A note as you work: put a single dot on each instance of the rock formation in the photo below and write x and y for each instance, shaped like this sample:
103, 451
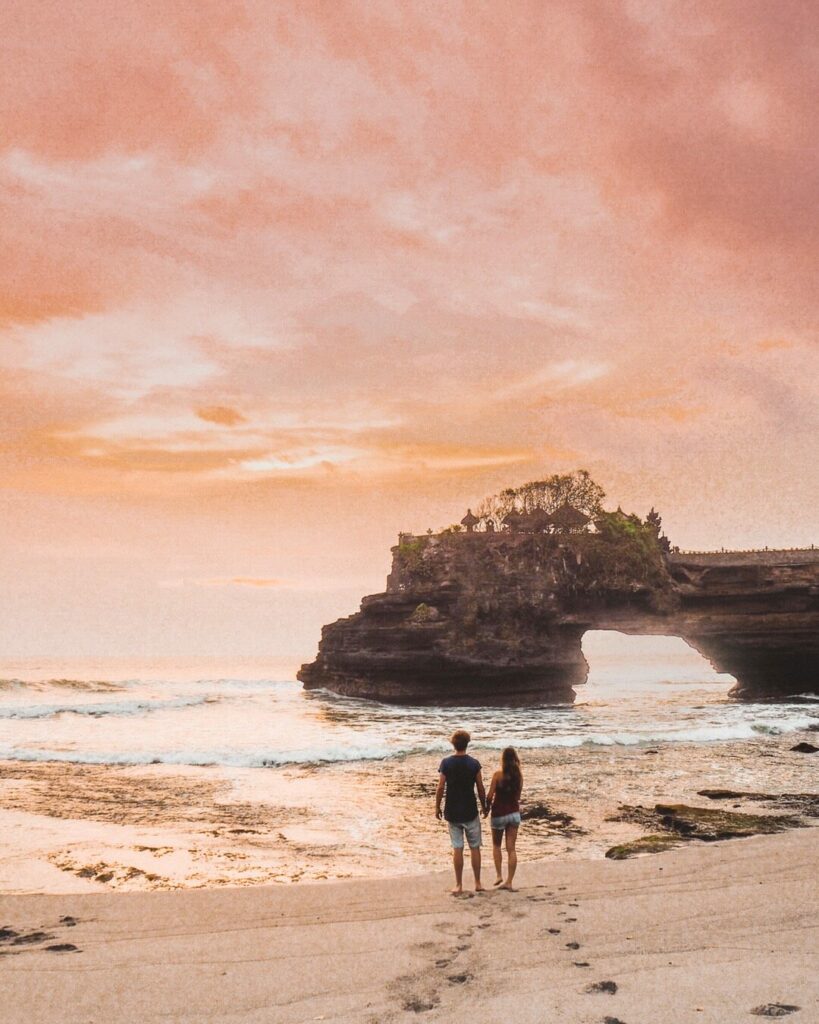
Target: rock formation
498, 618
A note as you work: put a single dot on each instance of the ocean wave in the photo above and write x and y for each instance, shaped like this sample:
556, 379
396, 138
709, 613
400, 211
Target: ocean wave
103, 709
81, 685
380, 751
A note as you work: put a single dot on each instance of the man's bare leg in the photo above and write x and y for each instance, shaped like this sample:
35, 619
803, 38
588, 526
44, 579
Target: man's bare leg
458, 864
475, 857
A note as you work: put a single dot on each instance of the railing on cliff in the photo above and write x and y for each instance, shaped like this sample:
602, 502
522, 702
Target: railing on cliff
755, 556
734, 556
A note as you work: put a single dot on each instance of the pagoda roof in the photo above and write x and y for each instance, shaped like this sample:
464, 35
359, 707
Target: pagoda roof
568, 515
541, 517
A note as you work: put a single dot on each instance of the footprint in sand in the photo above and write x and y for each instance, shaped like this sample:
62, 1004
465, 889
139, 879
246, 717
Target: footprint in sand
416, 1005
774, 1010
416, 996
609, 987
31, 939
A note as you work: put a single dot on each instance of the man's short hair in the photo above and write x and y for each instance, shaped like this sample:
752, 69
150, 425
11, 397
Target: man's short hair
460, 739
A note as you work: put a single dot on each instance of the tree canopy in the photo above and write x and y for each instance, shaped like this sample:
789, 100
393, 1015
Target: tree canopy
577, 488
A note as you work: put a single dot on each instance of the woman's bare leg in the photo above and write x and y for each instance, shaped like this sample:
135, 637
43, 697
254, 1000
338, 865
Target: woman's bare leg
497, 854
511, 855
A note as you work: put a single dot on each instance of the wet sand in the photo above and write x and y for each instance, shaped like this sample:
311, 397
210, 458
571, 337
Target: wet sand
86, 828
708, 934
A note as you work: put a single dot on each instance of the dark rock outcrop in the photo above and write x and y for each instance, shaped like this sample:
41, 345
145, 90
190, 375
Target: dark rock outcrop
677, 823
499, 618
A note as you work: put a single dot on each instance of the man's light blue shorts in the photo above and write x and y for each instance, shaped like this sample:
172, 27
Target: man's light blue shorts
472, 830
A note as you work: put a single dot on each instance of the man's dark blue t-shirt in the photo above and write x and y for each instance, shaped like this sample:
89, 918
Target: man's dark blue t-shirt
460, 771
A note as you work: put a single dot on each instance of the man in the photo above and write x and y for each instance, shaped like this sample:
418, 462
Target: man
458, 775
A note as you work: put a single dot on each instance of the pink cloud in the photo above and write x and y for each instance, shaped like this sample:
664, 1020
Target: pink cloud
317, 270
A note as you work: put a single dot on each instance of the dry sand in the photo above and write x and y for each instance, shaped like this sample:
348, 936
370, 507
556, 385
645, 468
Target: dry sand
705, 934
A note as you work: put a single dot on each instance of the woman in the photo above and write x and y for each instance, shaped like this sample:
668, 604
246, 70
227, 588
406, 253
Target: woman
504, 801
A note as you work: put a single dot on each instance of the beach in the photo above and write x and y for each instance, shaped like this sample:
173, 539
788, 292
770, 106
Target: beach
705, 934
186, 846
68, 827
135, 776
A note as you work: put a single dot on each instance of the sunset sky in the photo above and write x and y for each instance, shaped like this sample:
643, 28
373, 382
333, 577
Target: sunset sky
279, 280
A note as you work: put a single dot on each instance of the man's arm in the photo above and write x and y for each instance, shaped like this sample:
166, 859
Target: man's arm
481, 790
439, 793
490, 794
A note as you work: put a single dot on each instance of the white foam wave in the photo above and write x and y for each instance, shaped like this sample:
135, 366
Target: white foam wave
352, 752
101, 709
81, 685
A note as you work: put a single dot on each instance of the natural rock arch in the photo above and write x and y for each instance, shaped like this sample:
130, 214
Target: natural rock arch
498, 619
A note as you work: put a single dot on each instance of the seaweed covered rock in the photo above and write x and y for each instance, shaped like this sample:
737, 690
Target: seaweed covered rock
673, 824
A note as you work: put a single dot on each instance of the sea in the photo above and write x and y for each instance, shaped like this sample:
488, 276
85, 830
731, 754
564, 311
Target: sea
254, 779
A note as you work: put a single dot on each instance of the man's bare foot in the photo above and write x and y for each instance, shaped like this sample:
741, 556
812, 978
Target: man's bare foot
498, 881
457, 891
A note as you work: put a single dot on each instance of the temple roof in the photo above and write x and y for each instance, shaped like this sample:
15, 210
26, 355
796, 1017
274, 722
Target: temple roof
540, 517
568, 515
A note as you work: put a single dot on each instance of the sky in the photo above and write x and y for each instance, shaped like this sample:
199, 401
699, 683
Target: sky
280, 280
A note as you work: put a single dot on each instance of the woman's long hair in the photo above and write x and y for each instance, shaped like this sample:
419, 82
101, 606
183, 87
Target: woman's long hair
510, 765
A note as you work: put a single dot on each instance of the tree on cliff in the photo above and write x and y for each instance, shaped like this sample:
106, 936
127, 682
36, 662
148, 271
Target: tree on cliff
577, 489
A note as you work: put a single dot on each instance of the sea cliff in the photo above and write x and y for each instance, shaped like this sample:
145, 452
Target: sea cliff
499, 617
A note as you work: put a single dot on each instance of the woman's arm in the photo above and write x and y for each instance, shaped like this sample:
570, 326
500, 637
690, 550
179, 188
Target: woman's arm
490, 796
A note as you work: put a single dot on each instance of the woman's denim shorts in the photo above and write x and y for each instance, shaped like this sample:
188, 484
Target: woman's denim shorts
504, 820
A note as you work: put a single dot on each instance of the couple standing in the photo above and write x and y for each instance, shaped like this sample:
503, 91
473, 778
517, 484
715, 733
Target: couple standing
459, 775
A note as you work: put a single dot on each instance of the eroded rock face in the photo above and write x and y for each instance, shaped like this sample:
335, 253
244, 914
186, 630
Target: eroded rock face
499, 619
756, 620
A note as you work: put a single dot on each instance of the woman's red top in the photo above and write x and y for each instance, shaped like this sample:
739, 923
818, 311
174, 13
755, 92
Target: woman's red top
506, 799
